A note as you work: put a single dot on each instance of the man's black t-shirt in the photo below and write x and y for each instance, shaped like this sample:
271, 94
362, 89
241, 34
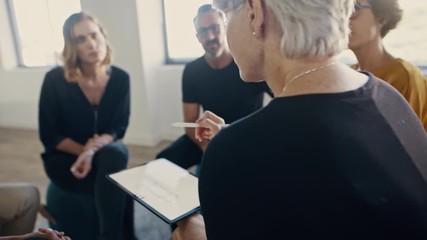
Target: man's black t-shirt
221, 91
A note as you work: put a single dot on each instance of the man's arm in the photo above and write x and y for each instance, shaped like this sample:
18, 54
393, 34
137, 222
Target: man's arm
191, 114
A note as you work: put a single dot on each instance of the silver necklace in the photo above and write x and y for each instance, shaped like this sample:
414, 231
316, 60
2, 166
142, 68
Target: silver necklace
305, 73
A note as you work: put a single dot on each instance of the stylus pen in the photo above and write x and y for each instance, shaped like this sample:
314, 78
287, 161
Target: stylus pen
190, 125
185, 124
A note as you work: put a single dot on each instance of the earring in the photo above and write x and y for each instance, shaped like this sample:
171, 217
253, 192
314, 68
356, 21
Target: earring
253, 33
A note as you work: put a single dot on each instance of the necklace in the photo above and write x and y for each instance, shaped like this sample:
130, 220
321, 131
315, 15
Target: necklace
305, 73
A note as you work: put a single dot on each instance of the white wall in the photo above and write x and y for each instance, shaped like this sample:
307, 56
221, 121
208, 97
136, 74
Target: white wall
136, 33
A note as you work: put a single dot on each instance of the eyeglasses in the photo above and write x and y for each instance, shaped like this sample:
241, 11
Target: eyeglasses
203, 32
359, 6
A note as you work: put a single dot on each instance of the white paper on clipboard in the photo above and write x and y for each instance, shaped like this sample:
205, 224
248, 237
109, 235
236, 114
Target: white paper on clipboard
163, 187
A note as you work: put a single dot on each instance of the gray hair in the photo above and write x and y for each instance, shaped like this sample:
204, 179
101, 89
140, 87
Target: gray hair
308, 28
227, 4
205, 9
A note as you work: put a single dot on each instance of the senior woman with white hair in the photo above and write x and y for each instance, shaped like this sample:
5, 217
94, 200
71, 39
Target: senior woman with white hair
337, 154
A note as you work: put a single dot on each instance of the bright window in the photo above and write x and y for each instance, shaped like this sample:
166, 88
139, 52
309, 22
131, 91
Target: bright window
182, 44
408, 40
38, 29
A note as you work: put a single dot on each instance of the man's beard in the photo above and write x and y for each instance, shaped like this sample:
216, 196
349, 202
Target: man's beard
212, 52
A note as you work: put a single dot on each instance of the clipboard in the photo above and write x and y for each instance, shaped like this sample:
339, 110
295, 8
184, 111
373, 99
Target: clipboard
164, 188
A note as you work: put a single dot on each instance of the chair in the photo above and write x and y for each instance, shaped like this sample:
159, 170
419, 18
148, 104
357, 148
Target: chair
75, 213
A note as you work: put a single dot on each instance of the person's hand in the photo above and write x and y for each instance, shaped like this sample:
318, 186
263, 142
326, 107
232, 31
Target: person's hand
82, 166
190, 228
210, 125
47, 233
97, 142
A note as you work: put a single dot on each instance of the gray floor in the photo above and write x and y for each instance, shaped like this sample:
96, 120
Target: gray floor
148, 226
20, 162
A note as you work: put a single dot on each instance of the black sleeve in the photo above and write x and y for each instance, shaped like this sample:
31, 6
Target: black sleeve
189, 94
120, 120
49, 111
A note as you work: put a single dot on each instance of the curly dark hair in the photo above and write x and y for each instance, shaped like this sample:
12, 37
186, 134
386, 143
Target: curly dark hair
387, 12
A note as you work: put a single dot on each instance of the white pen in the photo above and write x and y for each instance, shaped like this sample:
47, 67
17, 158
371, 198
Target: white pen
185, 124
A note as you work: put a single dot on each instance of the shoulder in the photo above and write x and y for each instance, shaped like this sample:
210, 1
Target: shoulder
403, 75
119, 72
405, 65
398, 70
403, 68
55, 76
412, 71
374, 83
194, 69
239, 128
195, 64
55, 72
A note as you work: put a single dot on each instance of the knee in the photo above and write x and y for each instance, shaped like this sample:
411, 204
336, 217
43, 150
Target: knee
33, 193
115, 150
113, 156
29, 195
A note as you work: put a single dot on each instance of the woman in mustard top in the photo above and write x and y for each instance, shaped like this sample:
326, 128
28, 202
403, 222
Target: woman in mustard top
369, 24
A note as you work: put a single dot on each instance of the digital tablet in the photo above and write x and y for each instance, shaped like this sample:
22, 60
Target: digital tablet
164, 188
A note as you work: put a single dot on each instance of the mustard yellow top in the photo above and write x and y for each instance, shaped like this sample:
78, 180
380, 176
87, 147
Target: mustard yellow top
409, 81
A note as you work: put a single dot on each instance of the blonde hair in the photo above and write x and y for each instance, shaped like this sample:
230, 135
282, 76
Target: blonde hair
69, 54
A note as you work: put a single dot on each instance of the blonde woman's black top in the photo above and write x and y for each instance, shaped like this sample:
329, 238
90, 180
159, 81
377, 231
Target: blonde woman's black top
65, 112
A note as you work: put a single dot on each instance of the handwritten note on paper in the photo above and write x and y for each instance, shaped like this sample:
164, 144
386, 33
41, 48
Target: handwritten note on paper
150, 189
163, 186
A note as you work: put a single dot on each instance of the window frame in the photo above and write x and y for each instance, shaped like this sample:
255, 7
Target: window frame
18, 44
169, 60
14, 29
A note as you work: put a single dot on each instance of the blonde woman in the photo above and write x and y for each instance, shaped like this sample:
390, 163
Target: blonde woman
83, 113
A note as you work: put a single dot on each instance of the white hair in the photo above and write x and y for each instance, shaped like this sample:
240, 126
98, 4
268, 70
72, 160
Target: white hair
308, 28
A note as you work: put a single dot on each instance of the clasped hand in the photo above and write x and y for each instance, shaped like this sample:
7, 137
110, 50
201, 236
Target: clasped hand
43, 233
48, 233
82, 166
